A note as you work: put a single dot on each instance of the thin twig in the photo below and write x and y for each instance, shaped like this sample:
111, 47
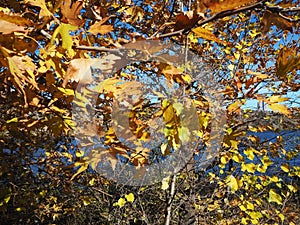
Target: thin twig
98, 49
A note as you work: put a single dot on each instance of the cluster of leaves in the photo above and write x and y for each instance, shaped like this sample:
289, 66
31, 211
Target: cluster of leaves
47, 47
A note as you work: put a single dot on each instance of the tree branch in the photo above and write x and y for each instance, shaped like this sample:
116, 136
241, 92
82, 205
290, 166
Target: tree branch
98, 49
169, 205
258, 5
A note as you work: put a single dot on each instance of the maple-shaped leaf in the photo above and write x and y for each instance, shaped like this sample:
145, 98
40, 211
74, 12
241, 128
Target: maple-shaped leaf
64, 31
44, 12
71, 12
224, 5
99, 27
21, 70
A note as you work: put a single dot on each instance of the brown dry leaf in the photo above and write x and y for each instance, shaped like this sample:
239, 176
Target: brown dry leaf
287, 61
207, 34
79, 70
44, 12
100, 28
71, 12
12, 23
185, 20
7, 27
224, 5
270, 19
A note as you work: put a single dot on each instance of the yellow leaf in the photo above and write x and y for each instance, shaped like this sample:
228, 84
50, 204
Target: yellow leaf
250, 167
233, 183
206, 34
255, 215
67, 42
224, 159
235, 106
276, 98
285, 168
224, 5
92, 182
44, 12
14, 120
178, 107
165, 183
130, 197
250, 206
100, 28
276, 107
163, 148
249, 152
79, 153
274, 197
121, 202
83, 167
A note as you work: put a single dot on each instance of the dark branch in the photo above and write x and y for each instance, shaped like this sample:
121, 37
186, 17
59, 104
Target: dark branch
258, 5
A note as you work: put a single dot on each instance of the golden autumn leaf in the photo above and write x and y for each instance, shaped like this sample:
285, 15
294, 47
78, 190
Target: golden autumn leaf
8, 27
224, 5
13, 23
44, 12
99, 27
64, 31
233, 183
235, 107
83, 167
165, 183
207, 34
276, 98
283, 109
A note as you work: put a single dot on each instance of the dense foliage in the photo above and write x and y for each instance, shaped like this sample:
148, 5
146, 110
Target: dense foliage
252, 49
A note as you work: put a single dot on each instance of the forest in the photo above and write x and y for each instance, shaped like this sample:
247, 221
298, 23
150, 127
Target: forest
150, 112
